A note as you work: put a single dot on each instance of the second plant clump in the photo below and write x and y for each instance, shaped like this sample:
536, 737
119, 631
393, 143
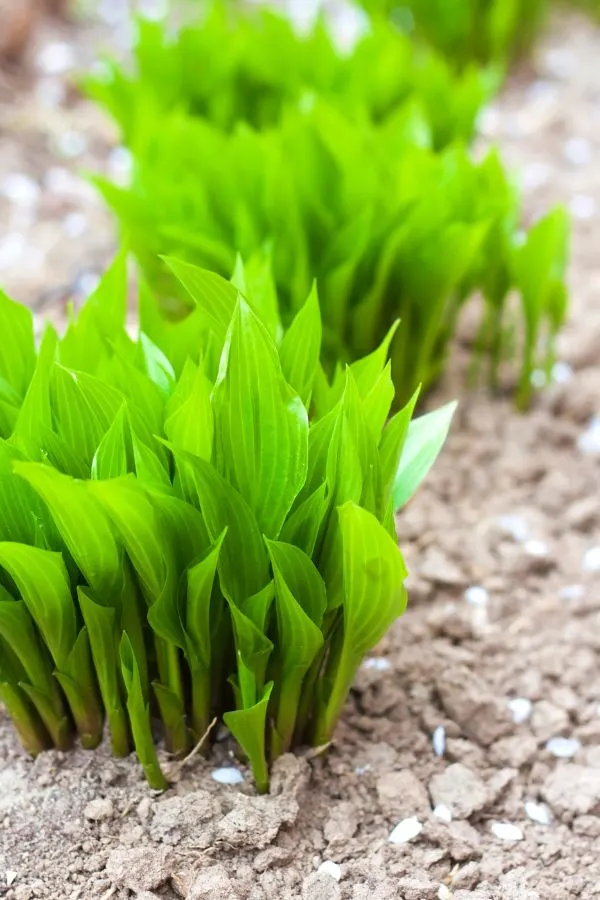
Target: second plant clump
196, 522
353, 169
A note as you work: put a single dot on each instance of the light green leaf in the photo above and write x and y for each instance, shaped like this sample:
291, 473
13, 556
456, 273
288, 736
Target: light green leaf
301, 348
425, 439
248, 728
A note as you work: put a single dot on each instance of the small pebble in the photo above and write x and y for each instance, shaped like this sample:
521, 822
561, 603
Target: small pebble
362, 770
120, 166
535, 175
476, 596
227, 775
72, 144
444, 892
535, 548
588, 441
378, 663
538, 379
50, 93
439, 740
505, 831
12, 249
520, 708
56, 59
331, 868
74, 224
515, 526
582, 206
87, 283
99, 809
405, 831
21, 189
443, 813
571, 592
578, 151
591, 560
563, 748
561, 372
538, 812
10, 877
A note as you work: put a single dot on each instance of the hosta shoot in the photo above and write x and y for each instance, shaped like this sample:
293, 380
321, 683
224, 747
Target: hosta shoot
195, 521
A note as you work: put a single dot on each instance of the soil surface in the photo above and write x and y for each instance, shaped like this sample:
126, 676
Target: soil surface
467, 763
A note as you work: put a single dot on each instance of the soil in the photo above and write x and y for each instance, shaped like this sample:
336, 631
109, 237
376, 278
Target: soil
475, 726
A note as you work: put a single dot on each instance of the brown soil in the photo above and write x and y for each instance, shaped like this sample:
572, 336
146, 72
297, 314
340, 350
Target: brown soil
513, 508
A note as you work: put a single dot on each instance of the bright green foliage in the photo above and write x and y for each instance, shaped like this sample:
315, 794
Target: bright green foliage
249, 65
388, 227
195, 521
467, 31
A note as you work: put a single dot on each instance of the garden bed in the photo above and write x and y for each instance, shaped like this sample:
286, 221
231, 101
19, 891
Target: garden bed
512, 509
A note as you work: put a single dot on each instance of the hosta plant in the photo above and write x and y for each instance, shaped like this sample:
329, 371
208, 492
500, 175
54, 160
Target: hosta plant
388, 227
231, 65
195, 522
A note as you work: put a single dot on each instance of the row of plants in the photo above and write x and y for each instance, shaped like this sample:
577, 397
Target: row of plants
351, 169
194, 521
496, 32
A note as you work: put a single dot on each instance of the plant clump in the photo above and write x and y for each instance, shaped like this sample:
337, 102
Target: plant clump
195, 521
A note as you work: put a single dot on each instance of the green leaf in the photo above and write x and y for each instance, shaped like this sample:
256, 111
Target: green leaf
139, 717
260, 423
81, 522
301, 348
213, 294
190, 422
248, 728
42, 580
18, 358
425, 439
374, 596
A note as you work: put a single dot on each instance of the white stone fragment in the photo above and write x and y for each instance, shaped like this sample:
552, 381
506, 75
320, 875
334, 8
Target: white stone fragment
538, 379
72, 144
563, 748
443, 813
588, 441
10, 877
439, 740
227, 775
405, 831
155, 10
535, 175
520, 709
536, 548
50, 92
572, 592
444, 892
506, 831
20, 189
591, 560
362, 770
476, 596
538, 812
515, 526
74, 224
578, 151
377, 663
582, 206
56, 58
561, 372
12, 249
331, 868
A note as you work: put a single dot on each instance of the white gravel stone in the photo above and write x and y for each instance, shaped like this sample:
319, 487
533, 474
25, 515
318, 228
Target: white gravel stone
563, 748
591, 560
578, 151
378, 663
506, 831
561, 372
56, 58
439, 740
588, 441
405, 831
572, 592
476, 596
99, 809
10, 877
227, 775
12, 249
538, 812
20, 189
582, 206
331, 868
443, 813
520, 709
536, 548
515, 526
